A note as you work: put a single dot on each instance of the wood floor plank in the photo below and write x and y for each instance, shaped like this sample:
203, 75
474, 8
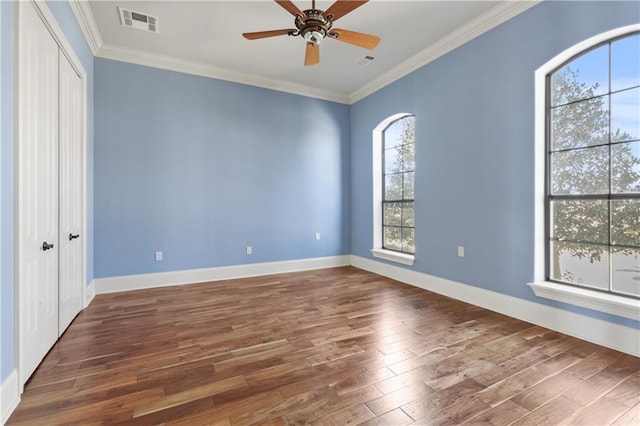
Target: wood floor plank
627, 392
595, 386
332, 346
511, 386
503, 414
552, 413
546, 390
396, 399
352, 415
395, 417
601, 412
453, 405
630, 418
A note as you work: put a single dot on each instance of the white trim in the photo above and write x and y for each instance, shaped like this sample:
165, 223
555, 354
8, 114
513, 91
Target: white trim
483, 23
179, 65
394, 256
604, 333
621, 306
478, 26
58, 35
89, 294
192, 276
9, 396
542, 288
87, 23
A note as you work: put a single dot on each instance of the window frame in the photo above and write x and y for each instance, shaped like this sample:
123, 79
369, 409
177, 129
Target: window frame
623, 306
378, 250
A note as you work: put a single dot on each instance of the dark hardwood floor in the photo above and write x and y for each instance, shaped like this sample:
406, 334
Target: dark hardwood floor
333, 347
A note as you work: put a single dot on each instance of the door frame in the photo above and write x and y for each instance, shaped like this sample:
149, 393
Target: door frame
66, 49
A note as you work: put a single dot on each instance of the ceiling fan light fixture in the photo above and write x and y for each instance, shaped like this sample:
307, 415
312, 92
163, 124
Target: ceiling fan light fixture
314, 37
313, 25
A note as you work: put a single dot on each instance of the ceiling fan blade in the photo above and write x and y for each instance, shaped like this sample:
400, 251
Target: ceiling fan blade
291, 8
342, 7
265, 34
312, 55
367, 41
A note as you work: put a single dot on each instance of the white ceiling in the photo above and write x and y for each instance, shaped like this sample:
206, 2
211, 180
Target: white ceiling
205, 38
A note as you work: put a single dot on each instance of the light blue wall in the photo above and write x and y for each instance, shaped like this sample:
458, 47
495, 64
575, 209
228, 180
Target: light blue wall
200, 168
474, 111
6, 188
67, 21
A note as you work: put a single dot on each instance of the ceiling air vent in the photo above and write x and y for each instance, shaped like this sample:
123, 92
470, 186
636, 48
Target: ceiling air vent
138, 20
365, 61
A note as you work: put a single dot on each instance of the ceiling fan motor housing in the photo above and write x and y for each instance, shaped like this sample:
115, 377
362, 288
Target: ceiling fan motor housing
313, 26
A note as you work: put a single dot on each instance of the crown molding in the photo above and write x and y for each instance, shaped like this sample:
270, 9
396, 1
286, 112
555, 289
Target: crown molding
483, 23
179, 65
87, 23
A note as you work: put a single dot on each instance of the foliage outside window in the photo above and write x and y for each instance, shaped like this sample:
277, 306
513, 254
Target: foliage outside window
593, 169
398, 228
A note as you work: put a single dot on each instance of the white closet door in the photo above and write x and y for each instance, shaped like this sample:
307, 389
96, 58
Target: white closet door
71, 241
37, 189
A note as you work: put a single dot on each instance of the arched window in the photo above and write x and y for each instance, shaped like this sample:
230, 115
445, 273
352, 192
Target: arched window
591, 172
394, 168
593, 142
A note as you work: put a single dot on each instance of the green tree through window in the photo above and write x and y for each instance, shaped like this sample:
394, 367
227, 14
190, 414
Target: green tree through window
593, 200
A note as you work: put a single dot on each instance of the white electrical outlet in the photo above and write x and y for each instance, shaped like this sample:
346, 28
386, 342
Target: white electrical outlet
249, 250
460, 251
317, 235
158, 256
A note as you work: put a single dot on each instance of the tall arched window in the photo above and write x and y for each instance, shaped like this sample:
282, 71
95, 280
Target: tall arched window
394, 170
592, 174
593, 199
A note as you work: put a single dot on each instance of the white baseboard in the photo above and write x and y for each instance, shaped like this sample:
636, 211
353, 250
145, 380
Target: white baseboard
614, 336
89, 293
9, 396
191, 276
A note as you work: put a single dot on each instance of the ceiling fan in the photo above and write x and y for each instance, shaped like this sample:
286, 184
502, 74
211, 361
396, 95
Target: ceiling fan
314, 25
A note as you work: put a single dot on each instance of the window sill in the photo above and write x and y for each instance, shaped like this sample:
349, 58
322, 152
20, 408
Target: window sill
609, 303
393, 256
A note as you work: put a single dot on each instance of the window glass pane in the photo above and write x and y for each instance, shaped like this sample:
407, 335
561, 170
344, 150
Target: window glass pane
625, 115
580, 220
408, 186
393, 214
580, 124
392, 160
625, 222
408, 245
408, 158
393, 134
584, 264
580, 171
625, 271
392, 238
393, 187
584, 77
625, 167
407, 214
625, 63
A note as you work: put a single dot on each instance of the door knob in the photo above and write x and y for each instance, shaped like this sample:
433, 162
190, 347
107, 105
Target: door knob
46, 246
73, 237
